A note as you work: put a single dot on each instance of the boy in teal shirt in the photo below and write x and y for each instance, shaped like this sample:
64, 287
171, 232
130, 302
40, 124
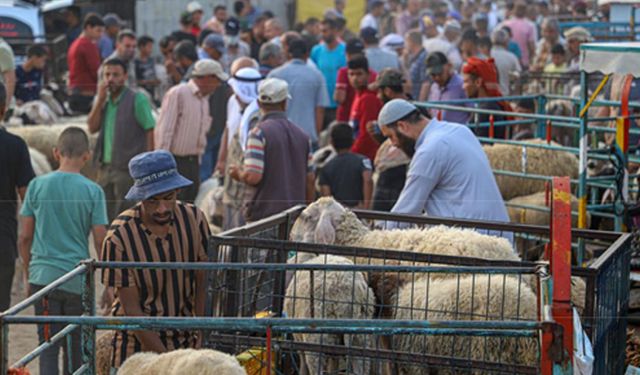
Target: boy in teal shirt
59, 211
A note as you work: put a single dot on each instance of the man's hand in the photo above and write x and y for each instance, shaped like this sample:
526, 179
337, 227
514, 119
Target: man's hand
219, 167
235, 172
103, 90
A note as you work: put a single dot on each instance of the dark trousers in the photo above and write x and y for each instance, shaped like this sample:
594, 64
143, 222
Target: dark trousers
329, 117
210, 157
116, 184
59, 303
80, 103
189, 167
6, 282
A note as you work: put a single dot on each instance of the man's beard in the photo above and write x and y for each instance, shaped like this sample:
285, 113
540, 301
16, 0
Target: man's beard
406, 144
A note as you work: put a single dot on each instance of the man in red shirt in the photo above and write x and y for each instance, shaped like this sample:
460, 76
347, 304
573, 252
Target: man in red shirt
365, 108
344, 92
83, 59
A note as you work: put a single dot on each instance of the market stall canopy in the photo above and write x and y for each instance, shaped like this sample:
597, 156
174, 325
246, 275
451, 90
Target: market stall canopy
609, 58
604, 2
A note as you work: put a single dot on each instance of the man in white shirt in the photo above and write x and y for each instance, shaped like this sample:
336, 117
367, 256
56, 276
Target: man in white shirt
506, 62
376, 10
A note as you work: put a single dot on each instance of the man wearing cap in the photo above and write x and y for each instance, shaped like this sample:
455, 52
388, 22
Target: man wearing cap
159, 228
575, 37
434, 42
235, 47
213, 47
124, 121
344, 92
447, 85
277, 158
307, 88
378, 58
449, 175
112, 26
196, 11
185, 119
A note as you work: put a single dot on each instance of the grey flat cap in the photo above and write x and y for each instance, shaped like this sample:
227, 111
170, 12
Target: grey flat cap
395, 110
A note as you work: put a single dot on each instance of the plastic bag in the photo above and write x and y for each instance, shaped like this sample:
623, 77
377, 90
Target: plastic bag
582, 349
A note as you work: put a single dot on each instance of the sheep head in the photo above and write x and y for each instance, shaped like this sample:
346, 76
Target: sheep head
318, 222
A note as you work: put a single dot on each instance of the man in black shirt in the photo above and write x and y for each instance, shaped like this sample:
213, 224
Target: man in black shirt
16, 172
347, 177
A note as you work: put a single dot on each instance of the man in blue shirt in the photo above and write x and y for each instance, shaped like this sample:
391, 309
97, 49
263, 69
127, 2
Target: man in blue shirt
329, 56
29, 75
449, 175
447, 85
307, 88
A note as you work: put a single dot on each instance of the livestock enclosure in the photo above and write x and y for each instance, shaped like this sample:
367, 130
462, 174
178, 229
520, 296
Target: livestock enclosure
257, 307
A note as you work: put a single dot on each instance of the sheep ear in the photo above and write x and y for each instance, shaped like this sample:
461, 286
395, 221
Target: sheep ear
325, 233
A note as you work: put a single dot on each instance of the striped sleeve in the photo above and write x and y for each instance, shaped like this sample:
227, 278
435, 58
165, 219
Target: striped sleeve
113, 251
254, 155
205, 233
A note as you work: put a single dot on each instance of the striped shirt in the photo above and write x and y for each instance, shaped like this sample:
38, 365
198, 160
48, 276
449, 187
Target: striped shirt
184, 121
254, 155
162, 292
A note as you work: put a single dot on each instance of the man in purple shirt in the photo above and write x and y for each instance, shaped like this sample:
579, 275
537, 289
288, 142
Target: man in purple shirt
447, 85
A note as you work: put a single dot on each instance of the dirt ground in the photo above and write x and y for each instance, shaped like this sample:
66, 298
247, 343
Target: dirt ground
24, 338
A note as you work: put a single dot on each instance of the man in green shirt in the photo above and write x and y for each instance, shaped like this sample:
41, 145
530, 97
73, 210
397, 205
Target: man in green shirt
125, 124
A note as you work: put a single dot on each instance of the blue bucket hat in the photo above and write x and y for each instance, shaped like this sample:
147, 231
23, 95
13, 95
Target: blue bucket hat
154, 173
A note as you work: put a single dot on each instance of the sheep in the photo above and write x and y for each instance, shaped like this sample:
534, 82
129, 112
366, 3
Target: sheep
335, 295
479, 297
183, 361
104, 352
539, 161
530, 249
39, 162
209, 200
44, 138
327, 221
36, 112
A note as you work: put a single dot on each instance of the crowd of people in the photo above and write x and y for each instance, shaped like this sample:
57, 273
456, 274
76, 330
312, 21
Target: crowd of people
245, 100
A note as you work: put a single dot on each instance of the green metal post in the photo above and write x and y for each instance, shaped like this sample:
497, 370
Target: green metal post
88, 331
582, 186
541, 127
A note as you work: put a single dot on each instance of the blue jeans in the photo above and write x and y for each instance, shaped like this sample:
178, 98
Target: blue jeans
60, 303
210, 157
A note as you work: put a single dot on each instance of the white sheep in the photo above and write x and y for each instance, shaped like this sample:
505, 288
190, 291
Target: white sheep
335, 295
184, 361
538, 161
480, 298
39, 162
209, 200
104, 352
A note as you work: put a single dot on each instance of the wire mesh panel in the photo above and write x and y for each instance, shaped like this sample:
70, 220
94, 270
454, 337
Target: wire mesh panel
600, 290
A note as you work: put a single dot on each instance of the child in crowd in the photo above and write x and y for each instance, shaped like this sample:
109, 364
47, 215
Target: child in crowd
523, 131
145, 66
60, 210
347, 177
29, 75
558, 65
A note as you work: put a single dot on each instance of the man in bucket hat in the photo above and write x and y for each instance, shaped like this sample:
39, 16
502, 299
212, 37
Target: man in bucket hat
157, 229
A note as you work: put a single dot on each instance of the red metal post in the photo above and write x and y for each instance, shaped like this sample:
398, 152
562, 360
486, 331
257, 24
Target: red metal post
491, 127
560, 262
269, 360
549, 131
439, 115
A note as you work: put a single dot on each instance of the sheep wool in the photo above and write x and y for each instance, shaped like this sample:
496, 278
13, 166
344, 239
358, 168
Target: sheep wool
184, 361
39, 162
538, 161
479, 297
335, 295
104, 352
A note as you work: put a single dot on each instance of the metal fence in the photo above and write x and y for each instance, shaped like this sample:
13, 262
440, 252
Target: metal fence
603, 306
